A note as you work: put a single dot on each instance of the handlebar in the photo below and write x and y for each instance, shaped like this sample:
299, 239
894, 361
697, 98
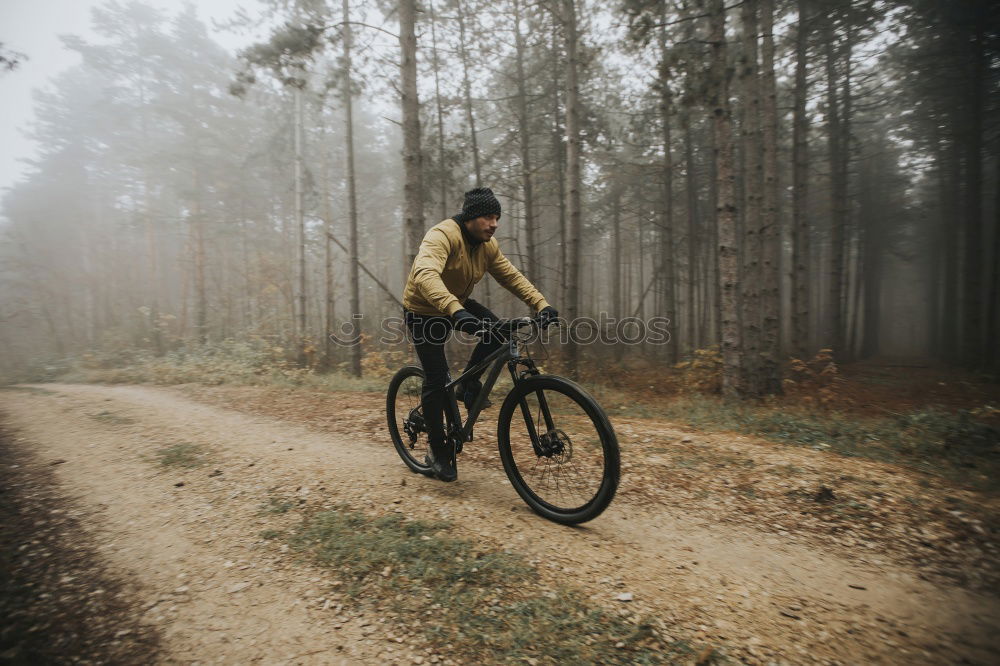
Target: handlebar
507, 327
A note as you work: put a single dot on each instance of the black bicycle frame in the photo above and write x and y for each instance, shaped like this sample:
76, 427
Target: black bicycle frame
507, 355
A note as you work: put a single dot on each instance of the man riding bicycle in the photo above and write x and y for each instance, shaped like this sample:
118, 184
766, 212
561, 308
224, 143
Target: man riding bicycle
453, 256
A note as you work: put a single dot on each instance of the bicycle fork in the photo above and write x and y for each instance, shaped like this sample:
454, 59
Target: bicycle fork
537, 443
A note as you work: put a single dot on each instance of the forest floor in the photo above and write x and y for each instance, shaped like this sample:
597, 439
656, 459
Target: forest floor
192, 514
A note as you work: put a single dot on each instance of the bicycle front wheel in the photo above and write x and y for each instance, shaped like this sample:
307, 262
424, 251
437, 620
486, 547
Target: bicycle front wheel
558, 449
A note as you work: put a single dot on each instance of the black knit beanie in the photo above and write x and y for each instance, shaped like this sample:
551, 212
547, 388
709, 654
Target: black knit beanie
478, 202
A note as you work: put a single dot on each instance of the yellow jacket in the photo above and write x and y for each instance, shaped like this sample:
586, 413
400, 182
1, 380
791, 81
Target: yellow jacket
447, 268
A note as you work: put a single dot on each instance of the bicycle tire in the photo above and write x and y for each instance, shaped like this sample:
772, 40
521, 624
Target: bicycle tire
411, 453
515, 463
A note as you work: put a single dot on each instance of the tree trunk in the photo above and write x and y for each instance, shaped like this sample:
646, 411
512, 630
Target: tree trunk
846, 210
770, 376
574, 177
198, 247
726, 202
640, 307
328, 281
972, 342
691, 186
667, 266
750, 277
617, 295
413, 205
838, 195
800, 191
150, 227
354, 283
626, 265
712, 289
444, 172
559, 157
993, 315
531, 232
300, 225
952, 209
871, 214
154, 271
467, 90
691, 341
245, 269
934, 249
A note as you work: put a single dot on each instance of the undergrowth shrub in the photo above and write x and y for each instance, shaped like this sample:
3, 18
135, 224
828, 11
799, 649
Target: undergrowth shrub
932, 440
935, 432
384, 364
702, 372
37, 370
816, 379
252, 362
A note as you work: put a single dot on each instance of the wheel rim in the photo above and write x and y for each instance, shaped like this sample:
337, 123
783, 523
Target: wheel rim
564, 468
408, 421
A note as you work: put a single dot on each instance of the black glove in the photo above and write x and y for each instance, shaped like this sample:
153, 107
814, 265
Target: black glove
467, 322
547, 316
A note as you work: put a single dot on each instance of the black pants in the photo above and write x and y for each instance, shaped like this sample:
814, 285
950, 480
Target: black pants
429, 335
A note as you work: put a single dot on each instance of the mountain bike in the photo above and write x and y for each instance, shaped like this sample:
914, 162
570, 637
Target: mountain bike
555, 441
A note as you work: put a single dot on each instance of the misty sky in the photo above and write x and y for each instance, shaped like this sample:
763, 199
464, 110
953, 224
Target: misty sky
33, 27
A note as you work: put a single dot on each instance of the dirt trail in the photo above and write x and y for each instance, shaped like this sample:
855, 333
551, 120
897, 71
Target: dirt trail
219, 593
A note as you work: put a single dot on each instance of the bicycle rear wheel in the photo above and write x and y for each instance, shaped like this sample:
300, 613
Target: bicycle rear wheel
406, 421
558, 449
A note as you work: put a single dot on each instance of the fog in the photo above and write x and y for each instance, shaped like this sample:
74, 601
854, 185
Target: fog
177, 178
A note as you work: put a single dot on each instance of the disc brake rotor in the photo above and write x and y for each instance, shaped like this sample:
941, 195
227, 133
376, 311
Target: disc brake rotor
557, 444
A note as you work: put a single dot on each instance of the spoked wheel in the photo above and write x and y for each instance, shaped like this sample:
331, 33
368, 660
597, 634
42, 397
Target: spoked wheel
406, 422
558, 449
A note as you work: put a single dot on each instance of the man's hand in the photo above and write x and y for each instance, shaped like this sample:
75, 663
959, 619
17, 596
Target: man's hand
547, 316
467, 322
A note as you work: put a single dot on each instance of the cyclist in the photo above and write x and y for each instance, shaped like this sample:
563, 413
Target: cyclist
453, 256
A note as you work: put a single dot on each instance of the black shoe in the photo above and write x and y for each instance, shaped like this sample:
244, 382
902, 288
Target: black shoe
440, 460
468, 392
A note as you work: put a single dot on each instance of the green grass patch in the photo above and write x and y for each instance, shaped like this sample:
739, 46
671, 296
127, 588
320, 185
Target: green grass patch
687, 462
276, 504
630, 409
181, 455
111, 418
955, 445
486, 605
730, 462
33, 390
